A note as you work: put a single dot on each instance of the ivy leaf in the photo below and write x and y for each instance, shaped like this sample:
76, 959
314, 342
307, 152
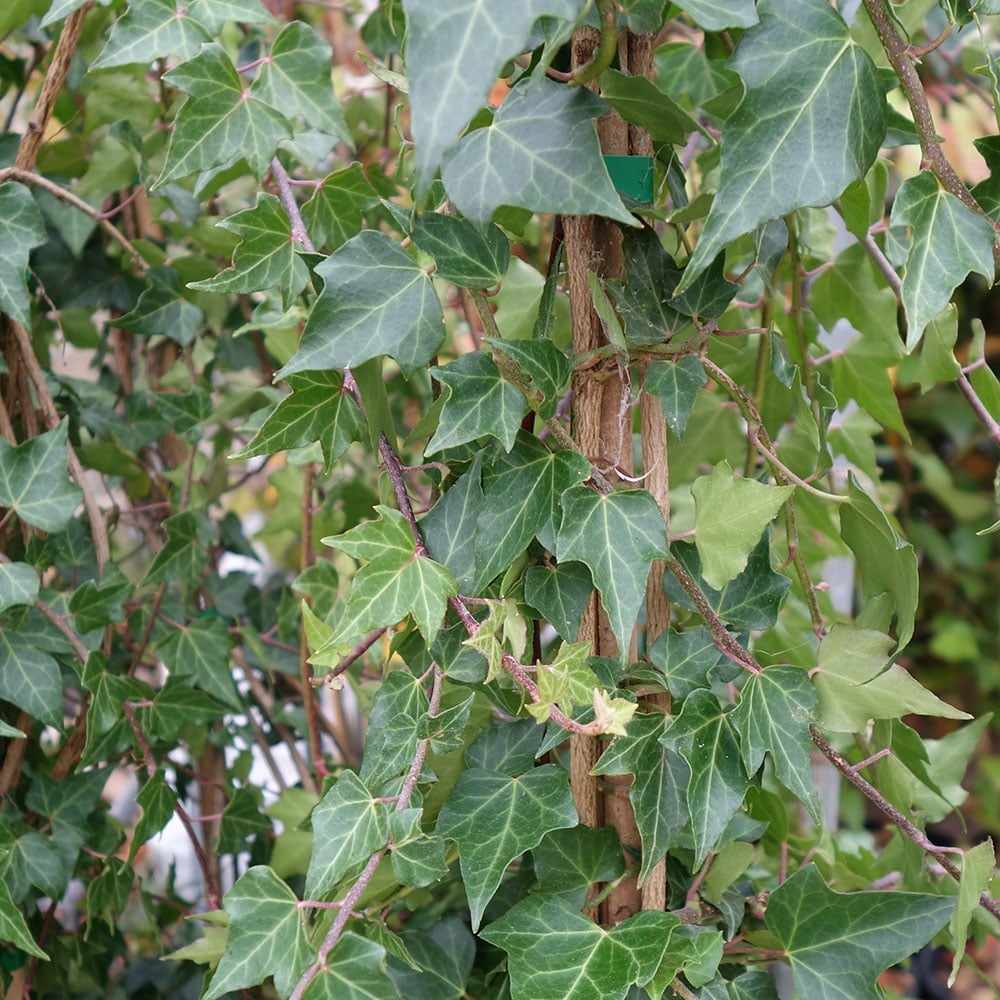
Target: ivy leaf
676, 385
730, 516
749, 602
704, 736
948, 242
34, 480
376, 300
150, 29
451, 526
185, 553
21, 229
645, 303
18, 585
978, 866
640, 101
12, 925
319, 408
158, 801
334, 213
495, 818
266, 257
540, 153
717, 15
560, 594
521, 501
162, 311
220, 121
391, 739
685, 659
478, 403
464, 255
267, 935
555, 952
824, 132
888, 563
454, 53
444, 953
839, 943
617, 536
30, 678
348, 827
201, 651
658, 790
355, 971
177, 705
547, 367
395, 582
577, 858
773, 715
295, 79
855, 682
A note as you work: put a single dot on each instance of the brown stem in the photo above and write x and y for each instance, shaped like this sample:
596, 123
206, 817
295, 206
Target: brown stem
309, 700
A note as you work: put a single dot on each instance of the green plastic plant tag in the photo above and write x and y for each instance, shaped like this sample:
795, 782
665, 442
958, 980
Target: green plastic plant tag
632, 176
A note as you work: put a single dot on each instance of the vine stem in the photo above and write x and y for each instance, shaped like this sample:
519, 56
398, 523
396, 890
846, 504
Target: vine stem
874, 796
299, 232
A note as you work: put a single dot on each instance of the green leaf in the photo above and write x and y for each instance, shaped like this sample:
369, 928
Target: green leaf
464, 255
494, 819
376, 300
478, 403
319, 408
201, 651
162, 311
266, 257
577, 858
21, 229
978, 866
560, 593
395, 582
948, 241
151, 29
658, 790
819, 135
348, 827
30, 678
730, 517
617, 536
267, 935
334, 213
716, 15
704, 736
417, 860
12, 925
521, 490
839, 943
750, 602
645, 303
640, 101
295, 80
185, 553
540, 153
773, 715
685, 659
888, 563
547, 367
177, 705
676, 385
555, 952
451, 526
454, 54
18, 585
34, 480
391, 739
158, 801
444, 954
242, 820
355, 971
95, 605
855, 682
219, 122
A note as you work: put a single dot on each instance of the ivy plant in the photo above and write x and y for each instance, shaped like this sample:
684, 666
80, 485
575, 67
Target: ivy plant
456, 465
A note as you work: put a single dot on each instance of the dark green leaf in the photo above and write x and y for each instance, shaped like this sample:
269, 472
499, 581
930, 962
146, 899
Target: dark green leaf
464, 255
641, 102
162, 311
30, 678
150, 29
645, 302
547, 367
21, 229
242, 819
157, 800
355, 971
185, 553
18, 585
676, 385
508, 749
451, 527
12, 925
577, 858
201, 651
685, 659
333, 214
560, 593
391, 739
444, 955
34, 480
540, 153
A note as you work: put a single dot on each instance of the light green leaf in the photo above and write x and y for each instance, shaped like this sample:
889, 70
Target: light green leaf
265, 258
18, 585
948, 241
319, 408
540, 153
495, 818
676, 385
521, 492
730, 517
479, 403
773, 715
855, 682
201, 651
348, 827
658, 790
839, 943
862, 374
355, 971
978, 867
716, 15
21, 229
703, 734
887, 562
220, 121
455, 50
376, 300
150, 29
267, 935
295, 80
34, 480
555, 952
12, 925
937, 354
394, 583
790, 147
60, 9
464, 255
617, 536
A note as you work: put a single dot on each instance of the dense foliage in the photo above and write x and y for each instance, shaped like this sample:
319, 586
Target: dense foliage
495, 505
